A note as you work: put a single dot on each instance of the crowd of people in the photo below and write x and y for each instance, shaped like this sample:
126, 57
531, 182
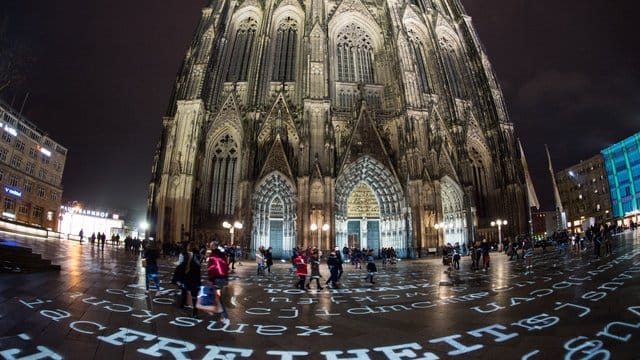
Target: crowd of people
306, 264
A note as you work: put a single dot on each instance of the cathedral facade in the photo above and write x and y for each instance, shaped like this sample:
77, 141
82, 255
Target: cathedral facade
364, 123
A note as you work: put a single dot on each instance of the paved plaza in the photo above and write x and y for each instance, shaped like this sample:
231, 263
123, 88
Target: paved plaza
573, 307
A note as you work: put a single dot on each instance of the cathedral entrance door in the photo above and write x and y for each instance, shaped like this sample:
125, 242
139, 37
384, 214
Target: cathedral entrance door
353, 229
275, 237
368, 193
373, 235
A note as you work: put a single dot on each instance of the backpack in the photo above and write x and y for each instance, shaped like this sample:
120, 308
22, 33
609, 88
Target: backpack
218, 268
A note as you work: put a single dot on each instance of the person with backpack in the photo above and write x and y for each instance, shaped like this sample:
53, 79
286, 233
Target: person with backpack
218, 274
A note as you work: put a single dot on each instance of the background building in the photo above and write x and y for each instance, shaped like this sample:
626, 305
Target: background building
74, 218
584, 191
622, 163
544, 223
333, 123
31, 167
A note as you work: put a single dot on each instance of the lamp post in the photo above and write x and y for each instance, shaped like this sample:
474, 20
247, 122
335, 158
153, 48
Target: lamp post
236, 225
499, 224
325, 228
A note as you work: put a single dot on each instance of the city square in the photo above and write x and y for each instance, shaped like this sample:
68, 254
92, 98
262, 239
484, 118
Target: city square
162, 141
573, 306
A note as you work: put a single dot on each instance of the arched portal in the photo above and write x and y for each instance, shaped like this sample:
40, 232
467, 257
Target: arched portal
363, 218
453, 213
363, 180
274, 215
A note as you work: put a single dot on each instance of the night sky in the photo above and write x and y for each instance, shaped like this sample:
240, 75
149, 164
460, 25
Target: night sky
102, 74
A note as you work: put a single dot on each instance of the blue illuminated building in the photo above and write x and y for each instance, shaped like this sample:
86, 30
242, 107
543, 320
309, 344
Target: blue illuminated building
622, 162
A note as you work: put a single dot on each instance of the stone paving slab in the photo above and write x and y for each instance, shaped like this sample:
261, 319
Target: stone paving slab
575, 306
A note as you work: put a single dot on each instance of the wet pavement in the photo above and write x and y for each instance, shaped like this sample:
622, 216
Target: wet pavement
574, 307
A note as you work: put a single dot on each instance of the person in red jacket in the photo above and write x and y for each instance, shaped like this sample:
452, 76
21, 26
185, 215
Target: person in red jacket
301, 270
218, 274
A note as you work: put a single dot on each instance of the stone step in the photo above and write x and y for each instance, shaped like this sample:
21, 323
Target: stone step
15, 259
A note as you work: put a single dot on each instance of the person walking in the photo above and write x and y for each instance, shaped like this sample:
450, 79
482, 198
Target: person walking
485, 247
315, 269
527, 254
218, 275
371, 266
269, 259
150, 256
301, 270
332, 263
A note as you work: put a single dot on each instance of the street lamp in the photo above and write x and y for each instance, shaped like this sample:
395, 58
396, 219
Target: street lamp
325, 228
499, 224
236, 225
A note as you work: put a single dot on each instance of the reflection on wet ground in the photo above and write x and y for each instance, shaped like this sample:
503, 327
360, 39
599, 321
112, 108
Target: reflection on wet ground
573, 306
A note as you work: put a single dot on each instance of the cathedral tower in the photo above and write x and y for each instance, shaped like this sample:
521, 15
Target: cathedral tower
329, 123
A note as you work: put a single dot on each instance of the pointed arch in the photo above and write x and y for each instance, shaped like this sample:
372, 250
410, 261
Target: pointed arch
243, 40
390, 197
287, 23
481, 174
451, 52
453, 211
274, 214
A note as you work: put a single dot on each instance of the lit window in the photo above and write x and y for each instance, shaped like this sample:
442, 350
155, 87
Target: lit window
598, 207
580, 196
49, 215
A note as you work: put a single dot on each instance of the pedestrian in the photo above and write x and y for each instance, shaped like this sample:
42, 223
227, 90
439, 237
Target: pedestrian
332, 263
371, 266
150, 259
608, 239
485, 247
260, 260
340, 261
456, 259
190, 284
301, 270
527, 254
218, 275
315, 269
81, 234
269, 259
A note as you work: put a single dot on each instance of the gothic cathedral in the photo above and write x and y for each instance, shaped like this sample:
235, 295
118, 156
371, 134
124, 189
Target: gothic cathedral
365, 123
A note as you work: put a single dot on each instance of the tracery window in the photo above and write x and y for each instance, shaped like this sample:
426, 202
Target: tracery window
284, 62
241, 51
420, 53
224, 166
452, 67
480, 182
355, 55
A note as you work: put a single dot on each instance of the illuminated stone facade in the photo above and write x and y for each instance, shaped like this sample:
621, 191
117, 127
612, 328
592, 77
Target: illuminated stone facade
282, 108
31, 167
584, 191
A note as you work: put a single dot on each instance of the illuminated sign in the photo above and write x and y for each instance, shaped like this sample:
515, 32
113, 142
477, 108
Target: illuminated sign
12, 191
45, 151
77, 210
10, 130
9, 215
